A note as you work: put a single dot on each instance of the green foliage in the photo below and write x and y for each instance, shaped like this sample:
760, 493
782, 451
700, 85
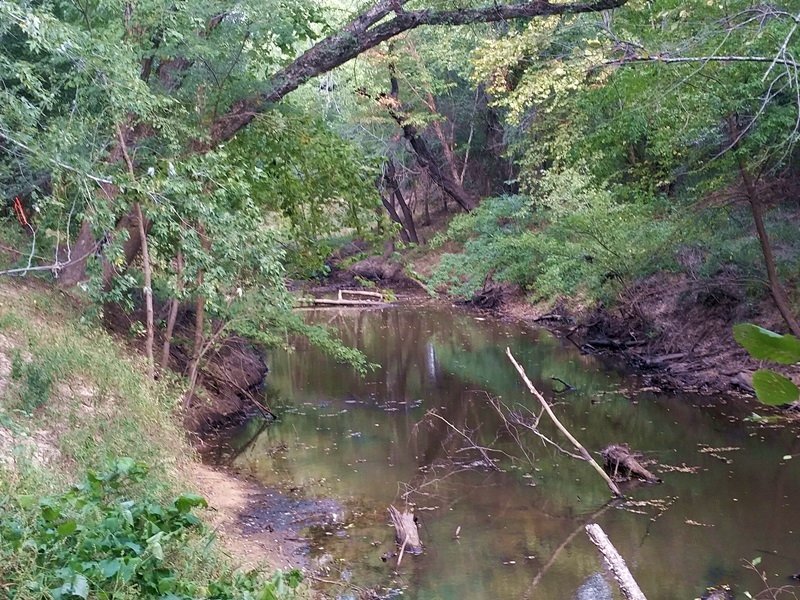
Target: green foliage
763, 344
572, 238
98, 540
771, 387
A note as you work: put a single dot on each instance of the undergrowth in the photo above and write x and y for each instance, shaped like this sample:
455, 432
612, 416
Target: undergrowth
104, 538
72, 403
572, 239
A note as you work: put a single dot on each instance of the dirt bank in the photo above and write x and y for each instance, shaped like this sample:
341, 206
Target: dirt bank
230, 499
674, 330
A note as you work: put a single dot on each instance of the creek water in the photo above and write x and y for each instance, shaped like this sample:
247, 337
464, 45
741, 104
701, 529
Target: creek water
729, 492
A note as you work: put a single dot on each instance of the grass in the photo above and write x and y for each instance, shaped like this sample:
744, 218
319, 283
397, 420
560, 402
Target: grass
73, 403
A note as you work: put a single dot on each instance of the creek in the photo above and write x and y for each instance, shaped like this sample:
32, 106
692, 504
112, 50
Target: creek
729, 493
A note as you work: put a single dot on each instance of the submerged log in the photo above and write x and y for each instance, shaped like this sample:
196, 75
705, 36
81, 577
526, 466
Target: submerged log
622, 464
627, 584
406, 533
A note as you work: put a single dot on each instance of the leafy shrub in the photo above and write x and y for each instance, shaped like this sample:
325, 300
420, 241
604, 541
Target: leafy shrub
96, 541
569, 237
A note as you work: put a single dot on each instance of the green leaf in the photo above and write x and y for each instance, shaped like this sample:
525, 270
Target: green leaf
756, 561
67, 528
157, 550
774, 389
186, 502
764, 344
109, 568
79, 586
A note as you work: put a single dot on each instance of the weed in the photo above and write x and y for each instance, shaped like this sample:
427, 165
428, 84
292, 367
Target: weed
101, 539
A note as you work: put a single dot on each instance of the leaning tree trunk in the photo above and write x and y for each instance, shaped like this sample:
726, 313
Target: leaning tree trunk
775, 287
389, 206
393, 186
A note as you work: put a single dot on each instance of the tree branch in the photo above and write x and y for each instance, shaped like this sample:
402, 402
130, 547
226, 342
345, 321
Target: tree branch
367, 31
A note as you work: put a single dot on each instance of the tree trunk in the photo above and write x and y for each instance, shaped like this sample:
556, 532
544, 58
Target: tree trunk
407, 214
148, 295
393, 185
441, 177
389, 205
368, 30
197, 351
199, 323
173, 311
775, 287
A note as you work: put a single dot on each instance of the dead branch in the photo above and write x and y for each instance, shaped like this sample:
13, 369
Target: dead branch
482, 450
583, 452
627, 584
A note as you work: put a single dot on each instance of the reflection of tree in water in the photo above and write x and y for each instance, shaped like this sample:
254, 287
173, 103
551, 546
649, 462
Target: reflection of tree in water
449, 362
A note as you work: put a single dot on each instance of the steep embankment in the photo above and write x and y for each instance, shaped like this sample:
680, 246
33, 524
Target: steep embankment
675, 330
73, 401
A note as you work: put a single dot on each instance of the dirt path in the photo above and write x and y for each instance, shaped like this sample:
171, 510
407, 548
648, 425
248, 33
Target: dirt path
230, 500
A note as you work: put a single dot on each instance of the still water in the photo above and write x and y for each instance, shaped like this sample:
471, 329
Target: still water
729, 492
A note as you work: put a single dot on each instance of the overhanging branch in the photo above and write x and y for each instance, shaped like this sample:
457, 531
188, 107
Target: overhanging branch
369, 30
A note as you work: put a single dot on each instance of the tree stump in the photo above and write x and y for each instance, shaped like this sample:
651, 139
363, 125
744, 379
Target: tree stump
405, 531
622, 464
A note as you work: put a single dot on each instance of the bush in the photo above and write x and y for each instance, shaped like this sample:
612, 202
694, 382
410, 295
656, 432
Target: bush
96, 540
571, 237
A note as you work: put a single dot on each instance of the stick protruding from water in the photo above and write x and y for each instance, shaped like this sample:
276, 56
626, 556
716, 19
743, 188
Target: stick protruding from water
578, 446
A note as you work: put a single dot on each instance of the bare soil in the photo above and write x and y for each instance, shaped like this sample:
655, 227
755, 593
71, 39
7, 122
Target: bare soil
230, 500
676, 331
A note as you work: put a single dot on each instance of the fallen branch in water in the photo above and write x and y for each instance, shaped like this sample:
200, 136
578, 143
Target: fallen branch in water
406, 532
583, 452
553, 557
482, 450
627, 584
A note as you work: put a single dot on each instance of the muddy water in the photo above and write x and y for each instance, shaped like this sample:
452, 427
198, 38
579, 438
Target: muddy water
365, 441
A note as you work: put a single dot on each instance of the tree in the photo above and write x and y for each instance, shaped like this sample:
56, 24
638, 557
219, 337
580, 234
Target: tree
118, 123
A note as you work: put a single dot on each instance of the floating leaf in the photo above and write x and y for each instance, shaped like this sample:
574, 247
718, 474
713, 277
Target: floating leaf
774, 389
764, 344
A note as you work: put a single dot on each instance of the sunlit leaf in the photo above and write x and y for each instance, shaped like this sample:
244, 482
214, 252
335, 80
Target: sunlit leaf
773, 388
764, 344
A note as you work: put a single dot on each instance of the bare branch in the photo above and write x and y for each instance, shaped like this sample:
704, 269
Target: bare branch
584, 453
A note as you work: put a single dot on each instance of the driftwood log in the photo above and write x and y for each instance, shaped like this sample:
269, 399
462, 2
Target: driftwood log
406, 533
622, 464
616, 564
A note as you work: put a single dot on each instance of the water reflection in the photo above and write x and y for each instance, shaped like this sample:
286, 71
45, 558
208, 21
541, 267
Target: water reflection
365, 441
